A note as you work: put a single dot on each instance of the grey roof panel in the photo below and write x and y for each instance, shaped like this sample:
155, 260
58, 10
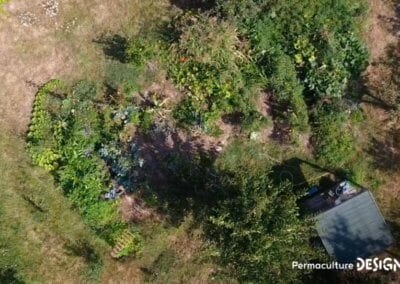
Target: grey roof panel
354, 229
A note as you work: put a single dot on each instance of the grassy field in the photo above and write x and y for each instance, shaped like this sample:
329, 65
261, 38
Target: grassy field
42, 239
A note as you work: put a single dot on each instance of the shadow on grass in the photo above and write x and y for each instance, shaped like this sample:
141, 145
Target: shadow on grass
202, 5
386, 156
85, 250
178, 171
10, 276
114, 46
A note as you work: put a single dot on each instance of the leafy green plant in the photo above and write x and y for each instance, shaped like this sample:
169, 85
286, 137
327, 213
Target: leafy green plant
130, 247
256, 224
63, 138
334, 142
210, 67
44, 137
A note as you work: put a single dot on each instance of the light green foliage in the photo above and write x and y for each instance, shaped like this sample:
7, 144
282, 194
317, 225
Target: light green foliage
44, 136
131, 246
334, 141
64, 136
208, 66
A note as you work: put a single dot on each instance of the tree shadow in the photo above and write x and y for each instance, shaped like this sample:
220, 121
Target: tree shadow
384, 153
114, 46
281, 131
290, 170
392, 23
83, 249
201, 5
10, 276
178, 168
384, 93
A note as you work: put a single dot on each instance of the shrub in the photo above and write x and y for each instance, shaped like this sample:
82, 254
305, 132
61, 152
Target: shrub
256, 223
334, 142
289, 92
207, 65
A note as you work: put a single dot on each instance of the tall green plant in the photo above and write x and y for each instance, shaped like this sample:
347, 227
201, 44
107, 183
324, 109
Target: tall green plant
256, 224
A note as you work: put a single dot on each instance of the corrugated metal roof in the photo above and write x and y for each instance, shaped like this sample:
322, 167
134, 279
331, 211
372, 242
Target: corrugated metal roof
355, 228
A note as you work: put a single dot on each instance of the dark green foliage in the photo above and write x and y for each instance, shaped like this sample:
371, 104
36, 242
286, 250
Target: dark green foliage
256, 224
288, 92
308, 49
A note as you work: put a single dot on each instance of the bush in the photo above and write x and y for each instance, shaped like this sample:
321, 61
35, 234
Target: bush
289, 92
207, 64
256, 223
334, 142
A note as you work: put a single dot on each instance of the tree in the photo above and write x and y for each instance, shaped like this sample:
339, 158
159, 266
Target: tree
257, 224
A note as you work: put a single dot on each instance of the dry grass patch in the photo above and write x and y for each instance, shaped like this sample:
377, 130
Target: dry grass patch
37, 45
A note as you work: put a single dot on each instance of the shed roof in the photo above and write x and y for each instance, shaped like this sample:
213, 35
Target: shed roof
355, 228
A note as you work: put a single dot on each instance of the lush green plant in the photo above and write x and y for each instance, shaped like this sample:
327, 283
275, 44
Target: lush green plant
209, 66
44, 136
132, 247
256, 224
64, 137
289, 92
334, 142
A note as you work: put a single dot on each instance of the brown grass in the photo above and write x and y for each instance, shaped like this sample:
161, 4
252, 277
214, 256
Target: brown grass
60, 46
377, 129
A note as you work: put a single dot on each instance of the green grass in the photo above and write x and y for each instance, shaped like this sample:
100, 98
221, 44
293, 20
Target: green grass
2, 2
41, 238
